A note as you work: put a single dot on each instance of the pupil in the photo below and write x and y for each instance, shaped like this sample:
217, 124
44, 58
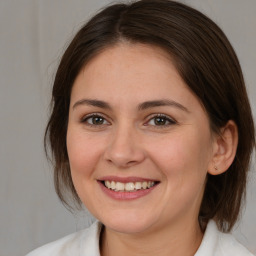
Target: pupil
160, 121
97, 120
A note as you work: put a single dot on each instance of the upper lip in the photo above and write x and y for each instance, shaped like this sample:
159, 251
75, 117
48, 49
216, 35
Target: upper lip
125, 179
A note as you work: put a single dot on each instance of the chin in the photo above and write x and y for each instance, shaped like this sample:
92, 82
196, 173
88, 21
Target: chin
127, 224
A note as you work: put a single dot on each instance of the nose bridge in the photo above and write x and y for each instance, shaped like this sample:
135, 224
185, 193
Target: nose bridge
124, 149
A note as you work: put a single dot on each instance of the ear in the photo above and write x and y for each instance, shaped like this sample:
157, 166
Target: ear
224, 149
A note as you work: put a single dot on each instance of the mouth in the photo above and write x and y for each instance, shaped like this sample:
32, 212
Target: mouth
118, 186
127, 188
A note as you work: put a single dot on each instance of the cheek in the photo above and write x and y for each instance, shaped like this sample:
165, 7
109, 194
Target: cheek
83, 153
182, 156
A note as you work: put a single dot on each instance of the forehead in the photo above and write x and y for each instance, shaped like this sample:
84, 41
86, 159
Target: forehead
128, 66
134, 47
130, 74
126, 76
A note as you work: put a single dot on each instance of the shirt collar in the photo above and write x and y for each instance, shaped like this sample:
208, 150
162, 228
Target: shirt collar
207, 247
210, 240
91, 247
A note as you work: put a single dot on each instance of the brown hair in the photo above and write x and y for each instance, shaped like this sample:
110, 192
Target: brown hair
204, 59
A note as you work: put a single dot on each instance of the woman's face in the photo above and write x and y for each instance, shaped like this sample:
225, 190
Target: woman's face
138, 140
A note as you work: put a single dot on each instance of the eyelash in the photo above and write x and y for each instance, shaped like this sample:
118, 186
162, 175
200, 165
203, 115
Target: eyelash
150, 118
94, 115
162, 116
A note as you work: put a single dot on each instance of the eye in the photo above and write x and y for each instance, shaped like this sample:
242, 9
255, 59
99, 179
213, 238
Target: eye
94, 120
161, 120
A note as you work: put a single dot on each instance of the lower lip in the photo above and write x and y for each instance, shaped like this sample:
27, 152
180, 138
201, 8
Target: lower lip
120, 195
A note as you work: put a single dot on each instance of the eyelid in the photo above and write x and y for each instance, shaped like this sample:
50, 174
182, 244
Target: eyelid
95, 114
171, 120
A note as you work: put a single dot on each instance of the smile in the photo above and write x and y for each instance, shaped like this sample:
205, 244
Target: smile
129, 186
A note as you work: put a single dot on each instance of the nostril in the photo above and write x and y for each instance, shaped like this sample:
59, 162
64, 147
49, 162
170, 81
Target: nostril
124, 152
131, 162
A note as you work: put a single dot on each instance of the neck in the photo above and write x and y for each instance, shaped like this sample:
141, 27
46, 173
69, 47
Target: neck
181, 239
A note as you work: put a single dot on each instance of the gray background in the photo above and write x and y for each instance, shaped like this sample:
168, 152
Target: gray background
33, 35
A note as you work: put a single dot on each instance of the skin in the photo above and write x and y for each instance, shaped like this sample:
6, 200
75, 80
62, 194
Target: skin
129, 142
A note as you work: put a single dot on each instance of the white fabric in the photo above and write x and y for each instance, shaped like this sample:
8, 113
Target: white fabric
86, 243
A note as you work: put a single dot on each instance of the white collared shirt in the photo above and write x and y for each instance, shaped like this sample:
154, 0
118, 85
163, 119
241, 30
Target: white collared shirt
86, 243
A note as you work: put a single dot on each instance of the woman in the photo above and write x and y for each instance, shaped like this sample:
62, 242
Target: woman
151, 130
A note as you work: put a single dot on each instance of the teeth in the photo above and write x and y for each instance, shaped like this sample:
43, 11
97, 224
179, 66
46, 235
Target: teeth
144, 184
138, 185
113, 185
107, 184
120, 186
130, 186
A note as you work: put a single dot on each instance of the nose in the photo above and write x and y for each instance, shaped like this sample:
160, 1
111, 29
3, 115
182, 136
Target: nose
124, 148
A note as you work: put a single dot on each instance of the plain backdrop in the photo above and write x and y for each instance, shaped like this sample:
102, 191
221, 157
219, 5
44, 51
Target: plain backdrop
33, 35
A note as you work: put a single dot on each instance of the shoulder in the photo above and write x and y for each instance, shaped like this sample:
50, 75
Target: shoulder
216, 243
84, 242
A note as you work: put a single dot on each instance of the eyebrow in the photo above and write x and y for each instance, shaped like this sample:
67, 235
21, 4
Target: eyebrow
160, 103
95, 103
143, 106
